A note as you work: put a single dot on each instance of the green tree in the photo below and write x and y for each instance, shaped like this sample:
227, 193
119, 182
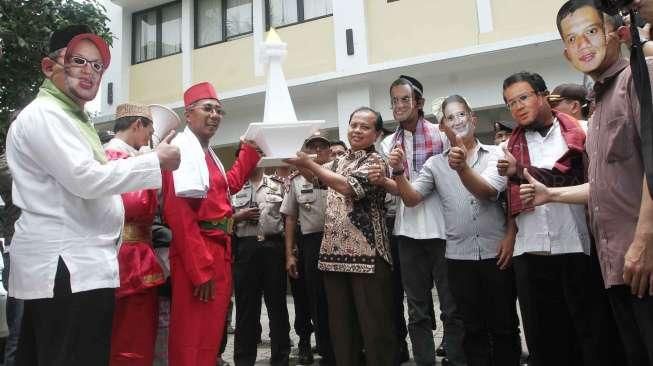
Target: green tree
25, 28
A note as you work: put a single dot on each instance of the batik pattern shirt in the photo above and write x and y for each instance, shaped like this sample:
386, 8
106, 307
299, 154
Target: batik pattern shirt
354, 231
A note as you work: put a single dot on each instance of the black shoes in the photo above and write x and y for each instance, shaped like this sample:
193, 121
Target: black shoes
305, 355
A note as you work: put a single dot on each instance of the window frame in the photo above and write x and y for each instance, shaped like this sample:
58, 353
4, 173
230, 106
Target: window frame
159, 32
223, 13
300, 15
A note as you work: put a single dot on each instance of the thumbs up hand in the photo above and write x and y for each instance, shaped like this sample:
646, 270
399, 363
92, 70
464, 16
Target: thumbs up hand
458, 155
534, 193
396, 158
507, 166
169, 156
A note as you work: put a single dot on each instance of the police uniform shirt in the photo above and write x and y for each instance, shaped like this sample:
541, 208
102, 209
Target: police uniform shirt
268, 196
307, 202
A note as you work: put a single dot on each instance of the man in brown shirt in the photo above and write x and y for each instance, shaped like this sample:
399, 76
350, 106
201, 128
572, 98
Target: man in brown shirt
621, 208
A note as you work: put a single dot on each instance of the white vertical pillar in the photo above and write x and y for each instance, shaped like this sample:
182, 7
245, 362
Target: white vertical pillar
350, 14
187, 43
258, 25
116, 70
350, 97
484, 14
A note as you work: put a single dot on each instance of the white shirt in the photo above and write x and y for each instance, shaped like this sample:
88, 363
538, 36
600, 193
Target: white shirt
424, 221
70, 203
553, 228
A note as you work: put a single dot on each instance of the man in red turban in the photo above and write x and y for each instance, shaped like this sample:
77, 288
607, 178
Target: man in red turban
198, 211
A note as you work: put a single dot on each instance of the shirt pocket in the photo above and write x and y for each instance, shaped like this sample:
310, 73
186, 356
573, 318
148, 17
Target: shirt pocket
240, 199
306, 195
619, 140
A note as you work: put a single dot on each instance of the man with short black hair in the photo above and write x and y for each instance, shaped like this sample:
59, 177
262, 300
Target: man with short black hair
566, 314
421, 228
64, 258
620, 204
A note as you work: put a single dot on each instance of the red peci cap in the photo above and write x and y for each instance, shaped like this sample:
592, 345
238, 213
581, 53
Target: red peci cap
101, 45
199, 91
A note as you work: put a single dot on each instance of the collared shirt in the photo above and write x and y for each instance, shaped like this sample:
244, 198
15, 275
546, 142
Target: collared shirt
307, 202
424, 221
553, 228
70, 202
474, 227
120, 145
354, 230
267, 196
616, 170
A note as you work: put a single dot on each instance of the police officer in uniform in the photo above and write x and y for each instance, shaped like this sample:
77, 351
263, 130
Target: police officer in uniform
305, 202
259, 268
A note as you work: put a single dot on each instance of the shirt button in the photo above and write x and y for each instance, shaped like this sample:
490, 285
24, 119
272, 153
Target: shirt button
596, 209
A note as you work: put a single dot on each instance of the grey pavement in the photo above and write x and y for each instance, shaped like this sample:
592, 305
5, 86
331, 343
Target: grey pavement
264, 350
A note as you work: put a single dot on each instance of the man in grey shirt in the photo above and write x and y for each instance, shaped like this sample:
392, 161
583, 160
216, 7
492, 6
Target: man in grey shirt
479, 247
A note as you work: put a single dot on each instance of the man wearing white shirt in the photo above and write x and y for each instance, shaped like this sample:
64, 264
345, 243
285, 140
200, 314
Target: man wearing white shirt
63, 251
566, 315
421, 229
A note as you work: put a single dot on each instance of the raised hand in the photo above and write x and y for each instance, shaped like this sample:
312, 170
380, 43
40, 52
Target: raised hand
534, 193
458, 155
169, 156
396, 158
507, 166
376, 172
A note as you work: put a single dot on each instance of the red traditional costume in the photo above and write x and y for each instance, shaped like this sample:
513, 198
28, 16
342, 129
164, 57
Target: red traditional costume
200, 251
136, 312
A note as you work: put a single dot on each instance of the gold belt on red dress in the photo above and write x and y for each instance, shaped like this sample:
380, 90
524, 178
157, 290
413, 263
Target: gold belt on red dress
136, 232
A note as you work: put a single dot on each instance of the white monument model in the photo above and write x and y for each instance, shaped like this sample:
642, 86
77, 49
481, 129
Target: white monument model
280, 135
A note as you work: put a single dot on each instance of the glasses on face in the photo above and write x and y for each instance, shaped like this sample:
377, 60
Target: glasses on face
457, 116
395, 102
520, 100
80, 62
208, 108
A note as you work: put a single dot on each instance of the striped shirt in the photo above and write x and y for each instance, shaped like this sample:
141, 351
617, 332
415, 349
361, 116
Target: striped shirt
474, 228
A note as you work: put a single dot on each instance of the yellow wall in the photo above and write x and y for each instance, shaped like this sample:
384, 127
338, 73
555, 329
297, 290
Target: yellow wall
156, 81
230, 65
514, 19
409, 28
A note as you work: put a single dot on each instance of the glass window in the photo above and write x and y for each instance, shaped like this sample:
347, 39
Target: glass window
145, 36
283, 12
171, 29
157, 32
208, 22
239, 17
317, 8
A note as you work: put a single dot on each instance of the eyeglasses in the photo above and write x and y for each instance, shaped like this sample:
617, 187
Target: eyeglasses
458, 116
78, 61
401, 101
519, 100
208, 108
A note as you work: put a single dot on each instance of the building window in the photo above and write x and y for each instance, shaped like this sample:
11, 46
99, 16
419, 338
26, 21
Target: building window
157, 32
285, 12
220, 20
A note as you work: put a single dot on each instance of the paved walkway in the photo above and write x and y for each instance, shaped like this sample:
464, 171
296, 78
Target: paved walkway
264, 350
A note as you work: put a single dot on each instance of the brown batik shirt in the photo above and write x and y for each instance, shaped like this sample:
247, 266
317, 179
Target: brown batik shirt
354, 231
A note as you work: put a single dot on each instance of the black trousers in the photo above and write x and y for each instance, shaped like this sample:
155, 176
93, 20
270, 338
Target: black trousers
303, 326
259, 269
70, 329
486, 298
634, 317
397, 287
565, 311
317, 296
361, 316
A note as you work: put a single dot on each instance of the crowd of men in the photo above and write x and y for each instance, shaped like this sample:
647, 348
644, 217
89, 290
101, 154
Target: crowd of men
557, 214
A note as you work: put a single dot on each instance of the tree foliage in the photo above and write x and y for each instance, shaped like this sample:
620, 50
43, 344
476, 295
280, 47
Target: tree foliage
25, 28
